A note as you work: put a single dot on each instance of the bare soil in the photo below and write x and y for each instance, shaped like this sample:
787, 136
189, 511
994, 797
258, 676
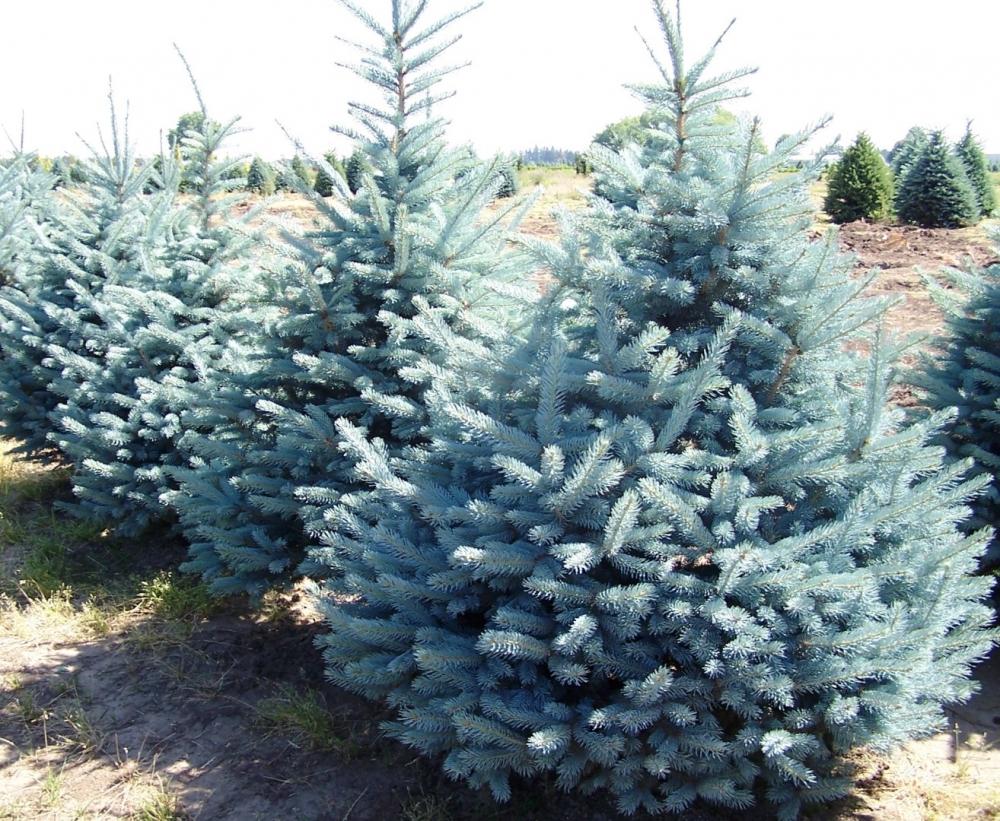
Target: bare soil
901, 254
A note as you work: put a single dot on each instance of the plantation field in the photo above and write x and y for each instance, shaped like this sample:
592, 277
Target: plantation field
145, 698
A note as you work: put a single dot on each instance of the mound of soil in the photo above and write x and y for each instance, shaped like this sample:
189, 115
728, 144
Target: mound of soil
900, 253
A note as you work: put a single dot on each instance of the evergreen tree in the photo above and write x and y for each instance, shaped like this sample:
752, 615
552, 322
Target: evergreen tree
95, 235
335, 164
260, 177
631, 130
974, 160
23, 203
285, 179
964, 373
353, 171
935, 192
187, 124
192, 121
237, 173
344, 337
906, 151
155, 334
77, 172
509, 183
302, 172
860, 185
324, 182
60, 172
686, 550
154, 180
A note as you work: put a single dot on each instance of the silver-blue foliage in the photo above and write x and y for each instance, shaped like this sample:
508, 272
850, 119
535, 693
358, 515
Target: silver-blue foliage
90, 237
152, 336
690, 552
410, 255
963, 372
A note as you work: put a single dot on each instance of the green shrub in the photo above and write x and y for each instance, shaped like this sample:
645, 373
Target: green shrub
860, 185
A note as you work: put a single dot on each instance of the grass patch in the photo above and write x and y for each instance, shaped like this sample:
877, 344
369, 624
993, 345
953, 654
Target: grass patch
80, 733
561, 183
62, 577
27, 708
25, 480
160, 805
57, 617
54, 716
426, 808
304, 719
16, 811
171, 596
52, 787
47, 544
43, 551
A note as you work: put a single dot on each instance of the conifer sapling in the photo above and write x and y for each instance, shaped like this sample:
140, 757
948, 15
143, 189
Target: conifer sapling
971, 154
347, 337
906, 151
935, 191
964, 373
685, 551
155, 334
859, 186
95, 235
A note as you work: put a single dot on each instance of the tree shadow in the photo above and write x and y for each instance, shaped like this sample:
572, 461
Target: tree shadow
191, 706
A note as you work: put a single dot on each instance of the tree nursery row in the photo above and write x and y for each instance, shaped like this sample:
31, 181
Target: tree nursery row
654, 529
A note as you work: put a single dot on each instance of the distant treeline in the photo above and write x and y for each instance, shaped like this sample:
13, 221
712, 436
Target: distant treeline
547, 156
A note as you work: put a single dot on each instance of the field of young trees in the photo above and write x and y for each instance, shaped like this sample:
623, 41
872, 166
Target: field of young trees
418, 485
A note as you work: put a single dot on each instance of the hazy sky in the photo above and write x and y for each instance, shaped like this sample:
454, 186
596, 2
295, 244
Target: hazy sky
546, 72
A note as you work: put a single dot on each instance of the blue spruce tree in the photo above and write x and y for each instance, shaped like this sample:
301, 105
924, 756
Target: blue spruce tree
905, 152
977, 169
964, 373
153, 336
686, 551
935, 191
345, 335
23, 203
94, 235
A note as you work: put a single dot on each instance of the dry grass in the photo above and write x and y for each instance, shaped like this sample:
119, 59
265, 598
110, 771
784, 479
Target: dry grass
917, 785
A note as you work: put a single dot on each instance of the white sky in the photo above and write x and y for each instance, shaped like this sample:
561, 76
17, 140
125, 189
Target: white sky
545, 72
